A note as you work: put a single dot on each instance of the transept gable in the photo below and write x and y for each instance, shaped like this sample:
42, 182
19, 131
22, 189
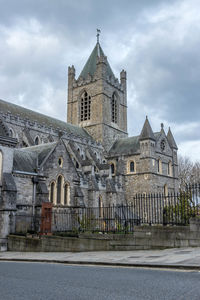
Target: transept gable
162, 144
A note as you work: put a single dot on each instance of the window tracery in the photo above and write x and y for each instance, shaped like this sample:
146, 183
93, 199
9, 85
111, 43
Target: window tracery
85, 107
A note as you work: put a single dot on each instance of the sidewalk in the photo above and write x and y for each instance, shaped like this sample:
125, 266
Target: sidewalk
184, 258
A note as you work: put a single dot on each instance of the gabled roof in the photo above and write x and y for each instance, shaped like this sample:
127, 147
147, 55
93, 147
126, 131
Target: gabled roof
171, 140
6, 107
91, 64
147, 132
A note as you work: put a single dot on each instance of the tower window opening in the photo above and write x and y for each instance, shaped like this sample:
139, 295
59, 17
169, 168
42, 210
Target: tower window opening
85, 107
114, 108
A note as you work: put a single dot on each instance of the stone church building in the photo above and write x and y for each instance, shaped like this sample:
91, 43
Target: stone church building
88, 160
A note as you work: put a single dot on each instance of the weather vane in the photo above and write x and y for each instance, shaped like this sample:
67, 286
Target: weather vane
98, 34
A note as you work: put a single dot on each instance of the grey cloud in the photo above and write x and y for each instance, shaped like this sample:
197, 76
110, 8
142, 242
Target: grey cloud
161, 58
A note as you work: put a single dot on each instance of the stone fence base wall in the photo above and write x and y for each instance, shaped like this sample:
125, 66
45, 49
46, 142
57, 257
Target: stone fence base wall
146, 237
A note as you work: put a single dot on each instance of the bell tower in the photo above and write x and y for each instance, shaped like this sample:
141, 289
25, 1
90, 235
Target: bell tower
97, 101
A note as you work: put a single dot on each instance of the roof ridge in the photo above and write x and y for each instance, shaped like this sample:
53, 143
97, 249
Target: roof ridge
34, 116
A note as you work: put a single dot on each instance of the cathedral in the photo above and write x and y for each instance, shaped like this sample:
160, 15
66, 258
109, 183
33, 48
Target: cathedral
88, 160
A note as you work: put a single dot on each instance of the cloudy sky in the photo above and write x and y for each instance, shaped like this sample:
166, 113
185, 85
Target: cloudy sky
156, 41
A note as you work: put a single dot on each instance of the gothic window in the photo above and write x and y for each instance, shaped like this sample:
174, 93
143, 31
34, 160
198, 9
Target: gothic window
160, 166
112, 169
59, 187
114, 108
1, 165
60, 162
132, 166
52, 191
66, 194
37, 140
165, 190
85, 107
11, 133
169, 168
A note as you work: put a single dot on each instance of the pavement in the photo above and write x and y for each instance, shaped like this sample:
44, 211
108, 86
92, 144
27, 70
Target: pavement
176, 258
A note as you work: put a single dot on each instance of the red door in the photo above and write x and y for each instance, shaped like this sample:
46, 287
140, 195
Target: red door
46, 218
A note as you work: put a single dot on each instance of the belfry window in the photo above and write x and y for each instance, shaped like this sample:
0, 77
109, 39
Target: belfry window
85, 107
114, 108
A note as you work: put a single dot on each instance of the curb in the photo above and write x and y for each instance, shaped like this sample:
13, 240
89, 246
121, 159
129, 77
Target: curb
97, 263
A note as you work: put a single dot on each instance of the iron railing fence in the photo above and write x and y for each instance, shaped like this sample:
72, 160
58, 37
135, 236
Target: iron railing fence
115, 218
173, 209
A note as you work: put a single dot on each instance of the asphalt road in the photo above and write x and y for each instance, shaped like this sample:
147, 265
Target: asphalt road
27, 281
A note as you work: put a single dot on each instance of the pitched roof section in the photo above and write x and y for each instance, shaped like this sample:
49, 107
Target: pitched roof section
28, 159
125, 146
33, 116
171, 140
91, 64
147, 132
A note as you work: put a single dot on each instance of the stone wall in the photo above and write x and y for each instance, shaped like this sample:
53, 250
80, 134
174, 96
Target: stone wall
148, 237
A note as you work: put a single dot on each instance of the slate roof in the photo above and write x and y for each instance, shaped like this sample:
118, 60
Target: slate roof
90, 66
32, 116
147, 132
28, 159
171, 140
125, 146
25, 161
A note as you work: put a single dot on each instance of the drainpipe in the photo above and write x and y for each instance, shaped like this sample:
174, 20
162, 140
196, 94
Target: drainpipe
35, 181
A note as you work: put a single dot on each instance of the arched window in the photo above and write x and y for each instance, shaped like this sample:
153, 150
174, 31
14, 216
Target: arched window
52, 192
160, 166
169, 168
114, 108
67, 194
85, 107
132, 166
59, 189
1, 165
37, 141
60, 162
11, 133
112, 169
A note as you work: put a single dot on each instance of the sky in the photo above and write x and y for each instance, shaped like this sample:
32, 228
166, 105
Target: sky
156, 41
